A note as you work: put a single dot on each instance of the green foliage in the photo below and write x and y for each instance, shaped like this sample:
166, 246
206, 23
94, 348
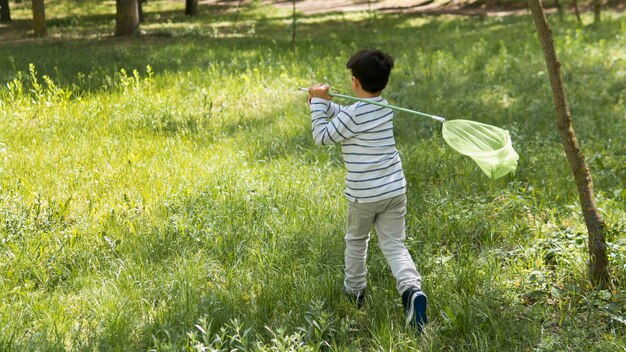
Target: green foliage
164, 193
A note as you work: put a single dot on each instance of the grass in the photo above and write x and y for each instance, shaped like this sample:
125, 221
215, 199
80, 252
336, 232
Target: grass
163, 192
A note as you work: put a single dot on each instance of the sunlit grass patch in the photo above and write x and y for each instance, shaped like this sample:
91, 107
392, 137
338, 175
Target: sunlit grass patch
163, 192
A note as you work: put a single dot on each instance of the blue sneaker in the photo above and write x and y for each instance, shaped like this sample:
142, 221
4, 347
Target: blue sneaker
414, 302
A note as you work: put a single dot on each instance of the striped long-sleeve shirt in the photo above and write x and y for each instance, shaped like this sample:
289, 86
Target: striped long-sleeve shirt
365, 131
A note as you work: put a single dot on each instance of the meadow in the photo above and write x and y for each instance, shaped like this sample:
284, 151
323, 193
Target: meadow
163, 192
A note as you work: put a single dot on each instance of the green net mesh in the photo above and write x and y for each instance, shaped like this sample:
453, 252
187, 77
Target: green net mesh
490, 147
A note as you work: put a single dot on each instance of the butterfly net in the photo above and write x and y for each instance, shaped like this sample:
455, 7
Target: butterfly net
489, 146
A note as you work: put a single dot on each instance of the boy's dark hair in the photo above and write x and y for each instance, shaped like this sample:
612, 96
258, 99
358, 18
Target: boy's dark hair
371, 68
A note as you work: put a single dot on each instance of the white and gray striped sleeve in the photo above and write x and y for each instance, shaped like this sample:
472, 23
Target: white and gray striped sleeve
330, 122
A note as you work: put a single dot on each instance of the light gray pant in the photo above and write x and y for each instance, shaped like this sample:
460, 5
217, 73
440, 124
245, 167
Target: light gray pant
388, 218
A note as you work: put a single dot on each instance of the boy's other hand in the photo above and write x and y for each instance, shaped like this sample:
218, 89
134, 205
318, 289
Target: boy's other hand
320, 91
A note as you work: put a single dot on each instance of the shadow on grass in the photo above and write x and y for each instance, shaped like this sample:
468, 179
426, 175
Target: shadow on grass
252, 269
185, 48
261, 279
239, 256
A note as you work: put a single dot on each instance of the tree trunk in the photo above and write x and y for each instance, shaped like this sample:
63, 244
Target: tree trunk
5, 11
597, 6
191, 7
293, 26
237, 13
598, 260
127, 17
39, 18
140, 10
559, 8
577, 11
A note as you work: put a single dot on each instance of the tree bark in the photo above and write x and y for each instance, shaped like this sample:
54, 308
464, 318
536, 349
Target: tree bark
293, 26
39, 18
559, 8
126, 18
5, 11
577, 11
598, 260
597, 6
237, 13
140, 10
191, 7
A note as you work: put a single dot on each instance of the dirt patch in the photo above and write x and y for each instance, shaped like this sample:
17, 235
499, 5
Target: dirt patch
432, 7
311, 7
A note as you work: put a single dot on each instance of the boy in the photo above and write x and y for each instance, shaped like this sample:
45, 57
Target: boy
375, 184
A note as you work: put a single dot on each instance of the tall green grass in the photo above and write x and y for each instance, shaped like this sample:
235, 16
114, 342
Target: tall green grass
163, 192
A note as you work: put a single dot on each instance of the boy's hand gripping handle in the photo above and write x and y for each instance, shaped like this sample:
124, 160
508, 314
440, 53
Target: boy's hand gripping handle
434, 117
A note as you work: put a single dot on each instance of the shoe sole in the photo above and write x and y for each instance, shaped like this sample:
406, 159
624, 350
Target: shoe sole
416, 315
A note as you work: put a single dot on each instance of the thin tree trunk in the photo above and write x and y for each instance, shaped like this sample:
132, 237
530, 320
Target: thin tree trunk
577, 11
597, 7
140, 10
598, 260
191, 7
559, 8
127, 17
39, 18
293, 27
5, 11
237, 13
